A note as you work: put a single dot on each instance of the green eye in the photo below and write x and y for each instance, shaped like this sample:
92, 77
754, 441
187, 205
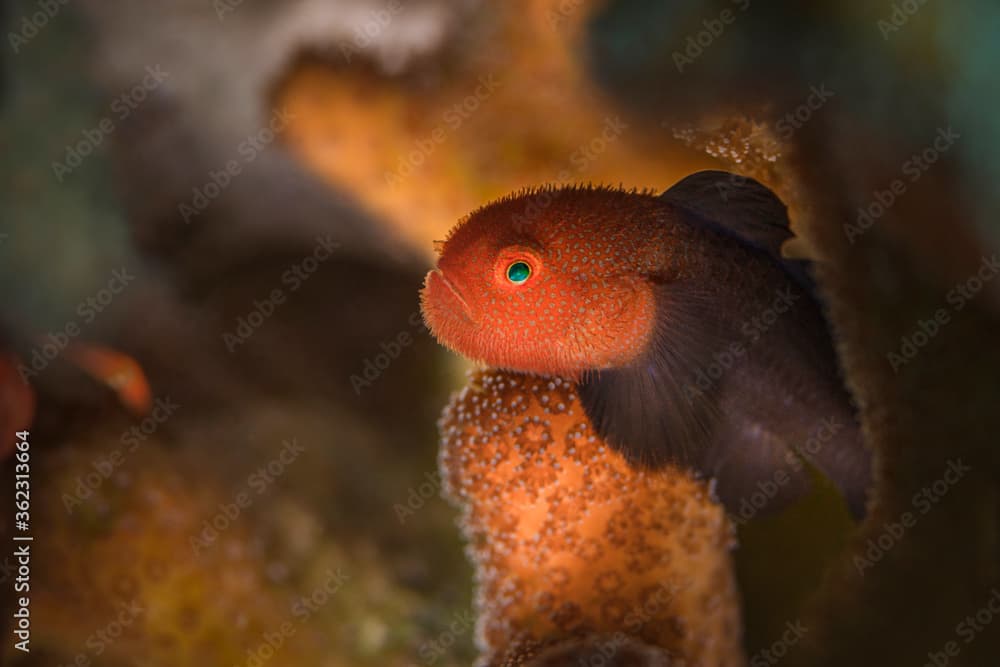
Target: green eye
518, 272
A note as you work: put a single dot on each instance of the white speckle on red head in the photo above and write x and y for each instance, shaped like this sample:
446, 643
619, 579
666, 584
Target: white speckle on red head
554, 282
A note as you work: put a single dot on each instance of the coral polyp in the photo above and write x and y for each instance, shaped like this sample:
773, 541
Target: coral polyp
570, 541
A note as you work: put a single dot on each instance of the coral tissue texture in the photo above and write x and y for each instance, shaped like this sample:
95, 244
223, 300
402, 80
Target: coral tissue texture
569, 541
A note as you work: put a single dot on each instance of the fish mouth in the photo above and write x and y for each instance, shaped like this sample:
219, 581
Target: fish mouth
437, 276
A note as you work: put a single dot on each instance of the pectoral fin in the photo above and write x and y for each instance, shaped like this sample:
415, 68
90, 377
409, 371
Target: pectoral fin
663, 408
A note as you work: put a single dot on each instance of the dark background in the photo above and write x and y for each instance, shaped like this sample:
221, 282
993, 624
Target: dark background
377, 125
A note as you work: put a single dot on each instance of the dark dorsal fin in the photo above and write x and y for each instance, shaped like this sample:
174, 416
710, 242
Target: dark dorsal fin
705, 396
742, 208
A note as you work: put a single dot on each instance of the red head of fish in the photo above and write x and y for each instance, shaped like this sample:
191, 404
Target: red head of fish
549, 281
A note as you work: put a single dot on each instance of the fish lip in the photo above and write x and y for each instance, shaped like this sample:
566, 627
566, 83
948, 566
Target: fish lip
467, 311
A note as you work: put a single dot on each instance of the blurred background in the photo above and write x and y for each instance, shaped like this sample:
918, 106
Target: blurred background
216, 215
